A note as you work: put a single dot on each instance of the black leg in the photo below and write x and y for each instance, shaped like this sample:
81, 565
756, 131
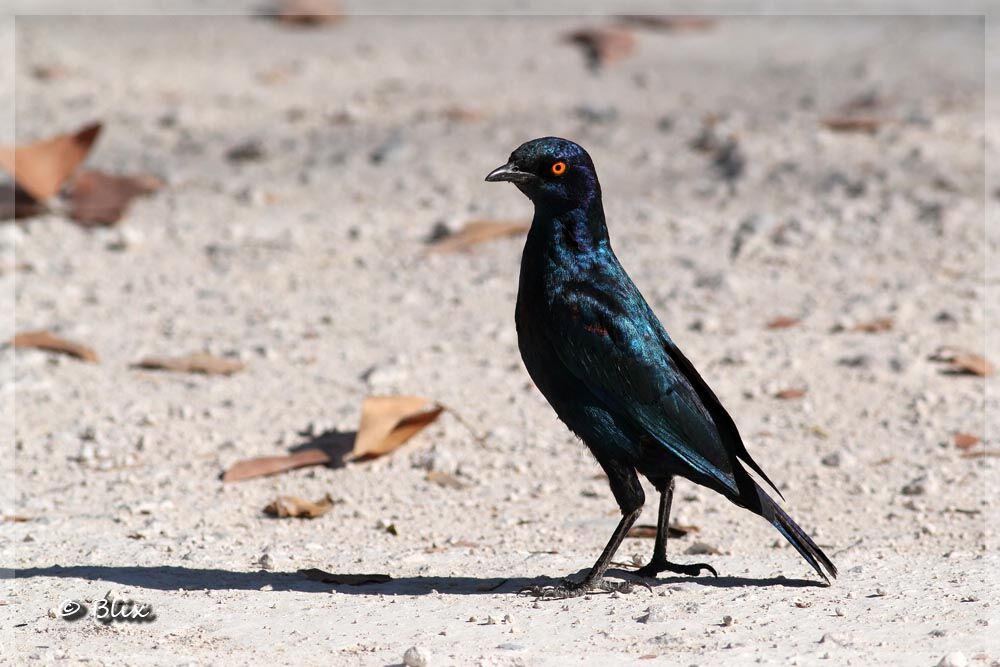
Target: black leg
628, 492
659, 563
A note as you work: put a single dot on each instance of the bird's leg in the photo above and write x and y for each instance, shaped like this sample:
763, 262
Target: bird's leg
628, 492
659, 563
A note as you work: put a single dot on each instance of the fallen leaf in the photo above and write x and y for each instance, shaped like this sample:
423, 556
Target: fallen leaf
603, 45
672, 23
309, 12
291, 506
344, 579
649, 531
446, 480
790, 394
877, 325
961, 362
16, 518
389, 421
479, 231
965, 440
271, 465
42, 167
869, 124
43, 340
981, 454
193, 363
97, 198
783, 322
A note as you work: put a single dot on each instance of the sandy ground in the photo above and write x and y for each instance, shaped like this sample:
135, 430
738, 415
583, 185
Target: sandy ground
309, 263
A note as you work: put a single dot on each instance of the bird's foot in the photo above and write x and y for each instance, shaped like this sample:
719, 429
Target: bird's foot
572, 589
654, 567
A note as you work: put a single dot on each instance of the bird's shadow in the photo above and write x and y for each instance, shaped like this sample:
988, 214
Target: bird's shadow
170, 578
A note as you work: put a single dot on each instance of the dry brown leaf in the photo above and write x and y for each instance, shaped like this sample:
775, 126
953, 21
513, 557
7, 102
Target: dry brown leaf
603, 45
981, 454
271, 465
877, 325
646, 530
389, 421
783, 322
16, 518
41, 168
44, 340
790, 394
309, 12
965, 440
193, 363
446, 480
672, 23
479, 231
291, 506
961, 362
869, 124
344, 579
99, 199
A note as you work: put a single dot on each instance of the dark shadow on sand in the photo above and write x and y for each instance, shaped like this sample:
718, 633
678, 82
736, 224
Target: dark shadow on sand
167, 577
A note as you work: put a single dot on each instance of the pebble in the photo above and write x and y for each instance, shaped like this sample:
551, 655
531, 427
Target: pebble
956, 659
832, 460
727, 621
266, 562
416, 656
657, 613
920, 486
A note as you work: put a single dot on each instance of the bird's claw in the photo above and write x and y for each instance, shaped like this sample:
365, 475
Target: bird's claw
569, 589
653, 568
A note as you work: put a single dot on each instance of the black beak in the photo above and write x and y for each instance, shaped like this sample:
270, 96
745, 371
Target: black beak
509, 172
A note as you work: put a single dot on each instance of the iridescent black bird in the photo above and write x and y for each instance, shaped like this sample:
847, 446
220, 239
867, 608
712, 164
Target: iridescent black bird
600, 356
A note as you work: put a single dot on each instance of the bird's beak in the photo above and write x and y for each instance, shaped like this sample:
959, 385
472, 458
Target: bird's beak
509, 172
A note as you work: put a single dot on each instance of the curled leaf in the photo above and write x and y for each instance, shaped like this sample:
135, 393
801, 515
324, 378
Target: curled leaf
962, 362
41, 168
877, 325
965, 440
603, 45
389, 421
44, 340
649, 531
868, 124
790, 394
271, 465
783, 322
204, 363
291, 506
100, 199
309, 12
478, 231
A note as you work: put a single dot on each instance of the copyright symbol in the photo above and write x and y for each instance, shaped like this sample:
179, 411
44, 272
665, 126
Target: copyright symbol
70, 610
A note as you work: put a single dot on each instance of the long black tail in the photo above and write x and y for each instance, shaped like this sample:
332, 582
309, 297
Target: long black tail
795, 535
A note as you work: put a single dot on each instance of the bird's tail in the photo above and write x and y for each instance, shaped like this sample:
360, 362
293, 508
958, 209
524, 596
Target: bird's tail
796, 536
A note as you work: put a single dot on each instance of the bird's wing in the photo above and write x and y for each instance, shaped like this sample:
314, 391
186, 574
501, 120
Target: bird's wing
724, 423
607, 336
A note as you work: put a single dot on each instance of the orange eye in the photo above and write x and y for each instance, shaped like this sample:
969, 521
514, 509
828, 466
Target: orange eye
559, 168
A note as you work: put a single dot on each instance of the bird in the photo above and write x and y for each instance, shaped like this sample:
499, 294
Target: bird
607, 366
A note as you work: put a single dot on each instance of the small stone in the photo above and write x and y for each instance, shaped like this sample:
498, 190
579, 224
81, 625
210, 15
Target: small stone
657, 613
266, 562
956, 659
920, 486
508, 618
416, 656
831, 460
727, 621
490, 620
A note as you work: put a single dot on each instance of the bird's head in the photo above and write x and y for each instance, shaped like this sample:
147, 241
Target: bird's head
551, 172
